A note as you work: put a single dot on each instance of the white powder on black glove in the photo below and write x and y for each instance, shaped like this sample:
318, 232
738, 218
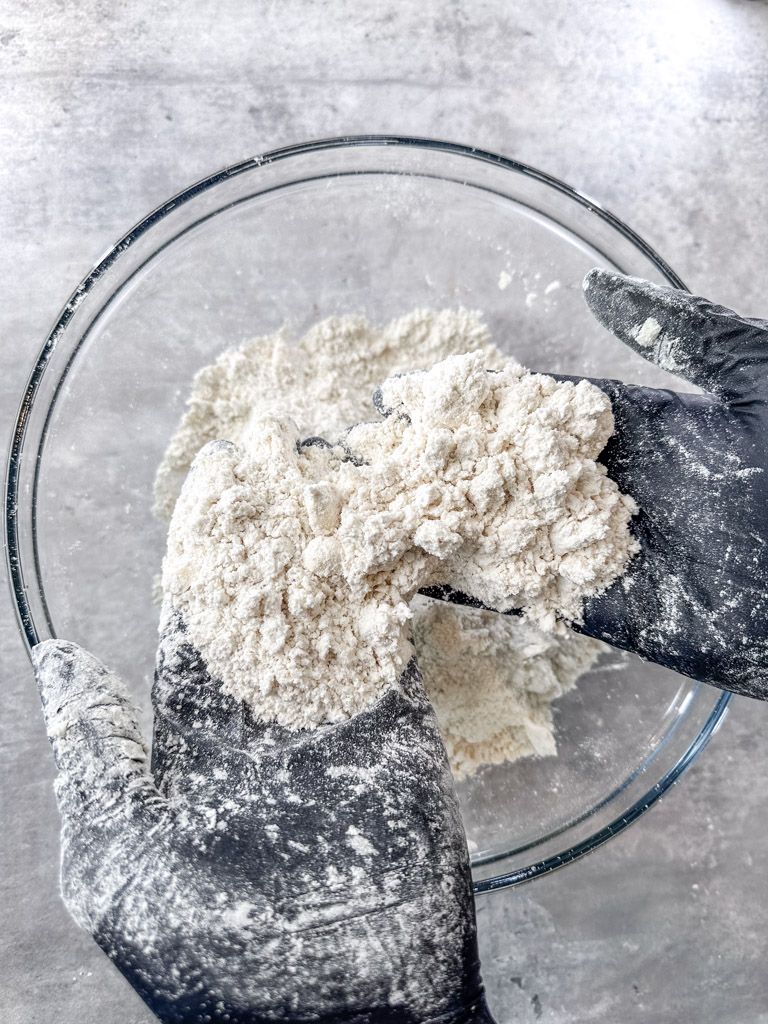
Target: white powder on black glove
293, 568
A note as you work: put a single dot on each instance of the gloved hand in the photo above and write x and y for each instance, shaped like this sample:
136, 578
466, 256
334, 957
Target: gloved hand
257, 874
695, 599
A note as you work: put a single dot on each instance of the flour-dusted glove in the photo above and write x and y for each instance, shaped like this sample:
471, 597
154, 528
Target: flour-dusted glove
696, 597
256, 874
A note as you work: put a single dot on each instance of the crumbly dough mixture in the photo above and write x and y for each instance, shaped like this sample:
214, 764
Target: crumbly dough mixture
324, 382
492, 679
293, 566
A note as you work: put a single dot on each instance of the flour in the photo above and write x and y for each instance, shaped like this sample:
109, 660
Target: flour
492, 679
324, 381
648, 333
293, 566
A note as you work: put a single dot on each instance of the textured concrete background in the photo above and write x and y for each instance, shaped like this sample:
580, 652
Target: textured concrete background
659, 109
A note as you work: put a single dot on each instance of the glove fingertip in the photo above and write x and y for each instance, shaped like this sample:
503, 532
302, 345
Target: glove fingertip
55, 663
53, 649
215, 447
595, 279
598, 280
616, 299
71, 678
379, 403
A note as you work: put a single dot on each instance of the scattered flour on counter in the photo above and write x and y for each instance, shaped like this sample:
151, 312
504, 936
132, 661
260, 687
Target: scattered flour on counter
293, 566
492, 678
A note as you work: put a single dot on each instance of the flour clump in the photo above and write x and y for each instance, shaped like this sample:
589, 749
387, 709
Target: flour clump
492, 680
294, 565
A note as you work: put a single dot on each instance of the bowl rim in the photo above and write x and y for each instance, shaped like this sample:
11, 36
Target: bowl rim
17, 586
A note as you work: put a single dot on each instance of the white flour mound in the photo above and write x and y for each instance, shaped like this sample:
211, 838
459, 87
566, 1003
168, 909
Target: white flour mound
293, 566
324, 382
492, 678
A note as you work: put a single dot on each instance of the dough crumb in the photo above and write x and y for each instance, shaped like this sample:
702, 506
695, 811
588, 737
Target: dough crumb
647, 333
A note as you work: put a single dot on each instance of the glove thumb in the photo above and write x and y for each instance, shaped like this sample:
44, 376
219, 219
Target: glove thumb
708, 345
92, 726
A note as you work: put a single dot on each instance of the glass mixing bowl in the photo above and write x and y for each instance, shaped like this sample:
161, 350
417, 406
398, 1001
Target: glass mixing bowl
366, 225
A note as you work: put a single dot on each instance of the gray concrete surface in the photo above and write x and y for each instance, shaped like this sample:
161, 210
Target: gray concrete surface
659, 110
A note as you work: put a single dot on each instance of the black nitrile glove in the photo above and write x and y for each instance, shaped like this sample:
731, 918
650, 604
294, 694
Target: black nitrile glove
695, 599
258, 874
